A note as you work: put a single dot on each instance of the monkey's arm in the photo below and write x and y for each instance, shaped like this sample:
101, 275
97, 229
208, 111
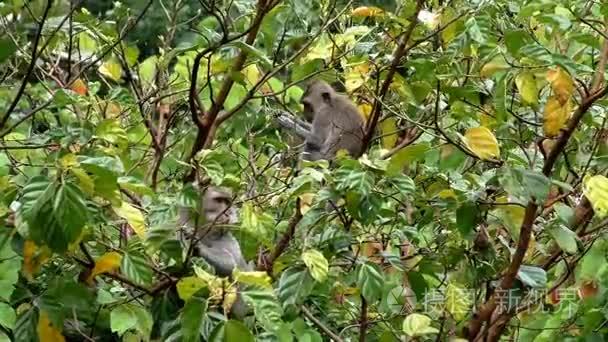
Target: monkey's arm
300, 127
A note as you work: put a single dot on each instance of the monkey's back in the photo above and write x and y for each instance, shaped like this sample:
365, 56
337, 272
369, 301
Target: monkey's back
348, 125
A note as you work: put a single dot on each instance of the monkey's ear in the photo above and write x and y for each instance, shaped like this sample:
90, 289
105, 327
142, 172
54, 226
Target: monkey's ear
326, 96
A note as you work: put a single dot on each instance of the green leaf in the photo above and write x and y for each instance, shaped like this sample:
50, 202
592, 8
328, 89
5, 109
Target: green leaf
565, 238
188, 286
536, 185
7, 48
232, 331
135, 185
418, 325
515, 40
500, 98
457, 302
404, 184
70, 209
466, 218
474, 31
191, 319
25, 328
266, 307
135, 267
147, 70
532, 276
110, 131
122, 318
214, 170
36, 194
8, 318
295, 284
111, 69
86, 43
370, 281
10, 264
317, 265
409, 154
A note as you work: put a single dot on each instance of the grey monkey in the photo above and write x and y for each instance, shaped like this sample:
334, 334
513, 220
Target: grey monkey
336, 123
212, 240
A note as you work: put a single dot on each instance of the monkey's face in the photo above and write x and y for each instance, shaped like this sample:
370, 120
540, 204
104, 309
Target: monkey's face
315, 98
217, 207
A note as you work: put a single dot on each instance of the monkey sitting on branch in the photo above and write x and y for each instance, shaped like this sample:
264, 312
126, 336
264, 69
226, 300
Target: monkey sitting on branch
336, 124
209, 237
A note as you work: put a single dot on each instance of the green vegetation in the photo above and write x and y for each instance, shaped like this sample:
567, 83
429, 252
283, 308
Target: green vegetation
477, 212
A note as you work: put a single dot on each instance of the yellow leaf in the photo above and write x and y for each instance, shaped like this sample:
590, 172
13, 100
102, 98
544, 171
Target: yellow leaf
111, 69
595, 189
526, 85
112, 110
134, 217
485, 119
256, 278
495, 65
321, 49
306, 202
84, 180
366, 11
561, 83
356, 76
188, 286
33, 258
555, 116
482, 143
365, 109
449, 32
79, 87
68, 161
456, 302
106, 263
252, 73
316, 263
447, 193
46, 331
531, 251
388, 128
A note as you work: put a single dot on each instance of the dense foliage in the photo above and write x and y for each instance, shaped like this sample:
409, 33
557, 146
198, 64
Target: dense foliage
476, 212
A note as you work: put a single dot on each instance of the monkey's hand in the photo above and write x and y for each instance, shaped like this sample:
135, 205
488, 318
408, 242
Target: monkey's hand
299, 127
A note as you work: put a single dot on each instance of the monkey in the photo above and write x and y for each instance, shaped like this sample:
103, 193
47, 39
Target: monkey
336, 123
212, 240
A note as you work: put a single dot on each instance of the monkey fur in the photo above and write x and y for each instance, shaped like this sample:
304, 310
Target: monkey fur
336, 123
213, 241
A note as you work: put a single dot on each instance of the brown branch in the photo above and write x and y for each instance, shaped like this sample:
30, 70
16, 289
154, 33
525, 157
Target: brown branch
320, 325
397, 59
262, 80
30, 68
363, 322
205, 125
411, 136
485, 311
283, 243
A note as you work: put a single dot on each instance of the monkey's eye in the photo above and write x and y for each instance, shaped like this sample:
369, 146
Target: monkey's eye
307, 106
225, 201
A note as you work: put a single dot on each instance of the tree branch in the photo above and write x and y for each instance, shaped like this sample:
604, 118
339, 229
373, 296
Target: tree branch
205, 124
30, 68
400, 52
